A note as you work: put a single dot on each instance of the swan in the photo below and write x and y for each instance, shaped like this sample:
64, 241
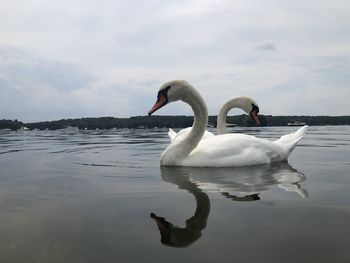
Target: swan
247, 104
221, 150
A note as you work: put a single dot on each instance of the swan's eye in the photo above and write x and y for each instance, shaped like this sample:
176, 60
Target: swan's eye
164, 92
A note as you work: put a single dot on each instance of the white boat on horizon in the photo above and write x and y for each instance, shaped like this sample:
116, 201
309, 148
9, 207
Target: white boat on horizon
296, 123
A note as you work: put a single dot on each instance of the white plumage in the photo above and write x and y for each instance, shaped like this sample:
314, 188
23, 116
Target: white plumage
221, 150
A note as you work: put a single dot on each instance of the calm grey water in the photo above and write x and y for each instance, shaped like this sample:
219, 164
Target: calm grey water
100, 196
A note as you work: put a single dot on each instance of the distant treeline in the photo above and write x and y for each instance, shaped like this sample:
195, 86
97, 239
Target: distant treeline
169, 122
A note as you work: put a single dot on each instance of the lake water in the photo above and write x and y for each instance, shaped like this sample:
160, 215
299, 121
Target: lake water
100, 196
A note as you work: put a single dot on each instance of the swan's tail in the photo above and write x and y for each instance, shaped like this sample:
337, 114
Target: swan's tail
289, 141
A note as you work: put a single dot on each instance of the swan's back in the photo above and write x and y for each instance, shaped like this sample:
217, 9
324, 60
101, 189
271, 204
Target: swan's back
242, 150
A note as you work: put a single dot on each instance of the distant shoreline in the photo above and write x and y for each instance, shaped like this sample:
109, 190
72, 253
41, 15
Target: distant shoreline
169, 122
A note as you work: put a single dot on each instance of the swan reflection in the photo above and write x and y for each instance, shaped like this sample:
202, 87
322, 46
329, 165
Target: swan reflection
248, 180
234, 183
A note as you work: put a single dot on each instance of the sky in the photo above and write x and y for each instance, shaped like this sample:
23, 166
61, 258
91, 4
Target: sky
84, 58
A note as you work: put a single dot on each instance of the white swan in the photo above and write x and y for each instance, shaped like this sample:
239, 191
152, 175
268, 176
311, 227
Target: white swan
220, 150
245, 103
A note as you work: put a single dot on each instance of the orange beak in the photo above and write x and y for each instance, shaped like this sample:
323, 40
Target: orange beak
162, 100
255, 118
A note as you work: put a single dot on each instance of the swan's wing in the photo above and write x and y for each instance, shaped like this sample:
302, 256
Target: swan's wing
207, 134
172, 134
182, 133
234, 150
178, 136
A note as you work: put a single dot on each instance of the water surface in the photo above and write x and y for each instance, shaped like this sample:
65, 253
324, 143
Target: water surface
100, 196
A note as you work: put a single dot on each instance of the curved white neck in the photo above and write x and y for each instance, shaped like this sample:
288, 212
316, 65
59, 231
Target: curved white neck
180, 150
230, 104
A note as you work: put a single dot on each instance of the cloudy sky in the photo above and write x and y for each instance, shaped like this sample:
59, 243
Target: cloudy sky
81, 58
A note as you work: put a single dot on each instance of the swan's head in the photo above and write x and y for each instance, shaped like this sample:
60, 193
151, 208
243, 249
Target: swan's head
251, 107
247, 104
254, 113
171, 91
